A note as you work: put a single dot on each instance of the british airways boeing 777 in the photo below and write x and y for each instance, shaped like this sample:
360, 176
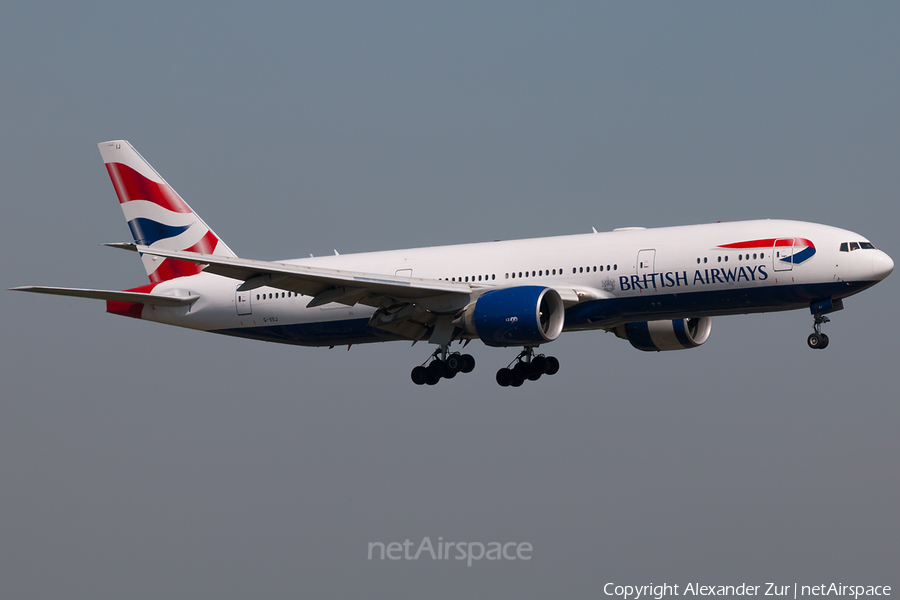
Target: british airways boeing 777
656, 288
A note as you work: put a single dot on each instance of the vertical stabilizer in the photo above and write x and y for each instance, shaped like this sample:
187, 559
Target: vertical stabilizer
156, 214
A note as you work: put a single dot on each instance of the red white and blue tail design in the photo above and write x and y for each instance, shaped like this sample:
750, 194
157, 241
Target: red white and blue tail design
156, 214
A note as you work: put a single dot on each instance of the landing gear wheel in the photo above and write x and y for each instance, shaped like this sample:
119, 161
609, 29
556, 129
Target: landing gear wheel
504, 377
454, 363
552, 366
815, 341
517, 379
432, 378
437, 368
468, 363
419, 375
824, 341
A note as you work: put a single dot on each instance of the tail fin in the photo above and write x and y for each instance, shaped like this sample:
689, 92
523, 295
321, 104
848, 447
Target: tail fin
156, 214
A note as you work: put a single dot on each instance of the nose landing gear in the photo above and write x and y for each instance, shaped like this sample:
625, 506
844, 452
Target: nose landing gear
443, 365
818, 340
527, 366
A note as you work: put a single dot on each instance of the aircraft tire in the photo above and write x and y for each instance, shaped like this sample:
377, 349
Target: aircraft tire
824, 341
504, 377
454, 363
814, 341
552, 365
419, 375
437, 368
468, 363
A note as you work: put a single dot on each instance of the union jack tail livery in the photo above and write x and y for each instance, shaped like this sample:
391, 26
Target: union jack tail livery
156, 214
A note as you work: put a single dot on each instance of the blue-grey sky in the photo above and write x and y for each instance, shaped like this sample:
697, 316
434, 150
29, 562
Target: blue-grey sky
143, 461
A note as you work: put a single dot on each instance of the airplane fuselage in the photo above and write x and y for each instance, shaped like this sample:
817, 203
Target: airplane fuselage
643, 274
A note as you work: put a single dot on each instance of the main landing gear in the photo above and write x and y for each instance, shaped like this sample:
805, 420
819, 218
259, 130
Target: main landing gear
527, 366
442, 366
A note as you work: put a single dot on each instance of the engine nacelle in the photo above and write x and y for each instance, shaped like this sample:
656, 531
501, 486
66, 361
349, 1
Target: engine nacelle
516, 316
656, 336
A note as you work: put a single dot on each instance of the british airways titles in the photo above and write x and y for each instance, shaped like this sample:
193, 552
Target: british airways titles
701, 277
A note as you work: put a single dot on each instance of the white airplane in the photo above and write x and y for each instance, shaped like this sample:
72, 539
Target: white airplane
657, 288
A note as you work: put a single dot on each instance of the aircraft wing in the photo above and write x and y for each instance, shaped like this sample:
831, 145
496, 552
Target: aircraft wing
346, 287
157, 299
324, 285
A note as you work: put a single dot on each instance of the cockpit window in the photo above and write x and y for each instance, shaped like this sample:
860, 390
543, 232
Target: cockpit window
866, 246
845, 247
854, 246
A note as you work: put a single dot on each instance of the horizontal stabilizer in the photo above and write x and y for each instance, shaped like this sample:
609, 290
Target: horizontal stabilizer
122, 246
136, 297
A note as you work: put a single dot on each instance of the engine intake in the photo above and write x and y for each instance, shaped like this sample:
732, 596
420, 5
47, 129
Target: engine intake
516, 316
657, 336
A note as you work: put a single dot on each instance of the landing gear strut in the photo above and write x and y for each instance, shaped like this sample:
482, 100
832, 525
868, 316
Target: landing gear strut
527, 366
443, 365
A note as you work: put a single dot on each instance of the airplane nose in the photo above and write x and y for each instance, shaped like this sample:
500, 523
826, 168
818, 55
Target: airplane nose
882, 265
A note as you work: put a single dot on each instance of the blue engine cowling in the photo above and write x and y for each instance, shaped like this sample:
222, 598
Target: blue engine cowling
656, 336
517, 316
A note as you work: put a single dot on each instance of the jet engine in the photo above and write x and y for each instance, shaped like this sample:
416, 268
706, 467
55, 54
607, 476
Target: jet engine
656, 336
517, 316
